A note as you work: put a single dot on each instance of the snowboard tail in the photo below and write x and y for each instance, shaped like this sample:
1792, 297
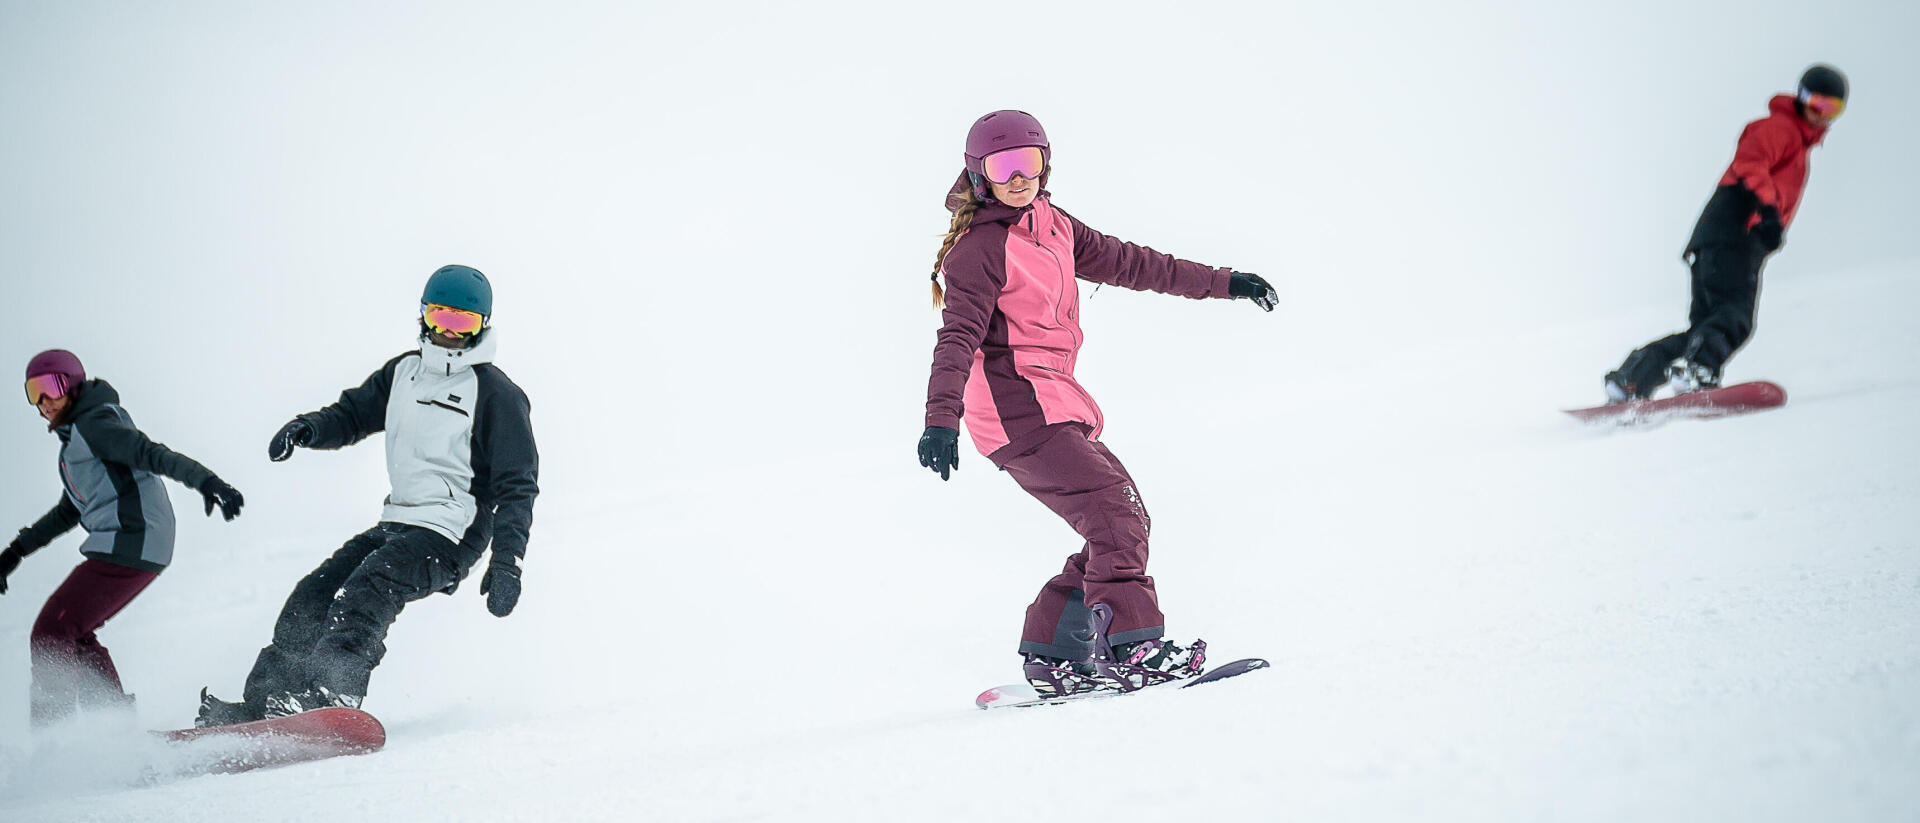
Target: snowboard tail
277, 741
1700, 405
1020, 695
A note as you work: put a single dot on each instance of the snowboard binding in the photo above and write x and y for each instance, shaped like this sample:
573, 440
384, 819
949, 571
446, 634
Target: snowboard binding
1143, 663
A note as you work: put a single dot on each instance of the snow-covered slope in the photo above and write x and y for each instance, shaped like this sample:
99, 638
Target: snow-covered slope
743, 598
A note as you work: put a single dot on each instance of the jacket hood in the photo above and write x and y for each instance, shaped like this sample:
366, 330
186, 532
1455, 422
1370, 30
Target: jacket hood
1786, 105
92, 395
446, 362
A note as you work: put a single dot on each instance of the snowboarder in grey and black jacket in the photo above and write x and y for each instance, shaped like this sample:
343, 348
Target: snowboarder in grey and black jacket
110, 473
463, 471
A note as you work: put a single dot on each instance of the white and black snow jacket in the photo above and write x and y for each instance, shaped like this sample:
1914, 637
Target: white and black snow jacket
460, 453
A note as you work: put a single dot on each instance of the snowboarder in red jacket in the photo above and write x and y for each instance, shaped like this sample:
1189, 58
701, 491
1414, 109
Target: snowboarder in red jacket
1745, 221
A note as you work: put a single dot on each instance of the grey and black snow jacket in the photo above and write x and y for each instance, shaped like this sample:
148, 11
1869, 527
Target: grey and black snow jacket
112, 473
460, 454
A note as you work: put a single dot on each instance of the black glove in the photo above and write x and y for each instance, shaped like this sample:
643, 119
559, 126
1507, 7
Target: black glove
1769, 231
216, 492
501, 585
9, 560
1255, 287
940, 450
297, 433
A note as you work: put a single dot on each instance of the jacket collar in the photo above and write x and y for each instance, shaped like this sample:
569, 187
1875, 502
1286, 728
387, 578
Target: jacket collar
993, 211
92, 395
441, 362
1787, 106
997, 212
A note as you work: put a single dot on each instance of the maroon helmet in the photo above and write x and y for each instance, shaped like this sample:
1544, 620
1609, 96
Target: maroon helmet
61, 364
1004, 129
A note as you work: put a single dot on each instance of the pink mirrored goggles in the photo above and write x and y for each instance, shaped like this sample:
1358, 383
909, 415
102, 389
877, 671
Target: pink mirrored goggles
1026, 161
45, 386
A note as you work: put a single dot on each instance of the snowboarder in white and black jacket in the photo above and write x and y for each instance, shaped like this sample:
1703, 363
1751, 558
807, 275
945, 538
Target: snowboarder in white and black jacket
463, 469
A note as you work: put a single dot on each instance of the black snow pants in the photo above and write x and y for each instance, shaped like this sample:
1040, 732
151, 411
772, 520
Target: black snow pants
333, 630
1726, 294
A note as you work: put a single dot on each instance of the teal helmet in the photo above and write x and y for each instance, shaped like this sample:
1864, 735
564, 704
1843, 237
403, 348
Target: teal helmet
459, 287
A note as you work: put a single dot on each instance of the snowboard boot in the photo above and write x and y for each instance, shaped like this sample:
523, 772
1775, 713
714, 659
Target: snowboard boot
1146, 663
1141, 663
1053, 677
1619, 390
285, 704
1688, 376
217, 712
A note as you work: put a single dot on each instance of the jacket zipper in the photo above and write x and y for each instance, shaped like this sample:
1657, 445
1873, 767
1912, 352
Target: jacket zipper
1066, 281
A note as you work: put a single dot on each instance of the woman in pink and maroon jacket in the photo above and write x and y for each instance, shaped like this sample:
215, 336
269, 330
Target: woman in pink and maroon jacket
1004, 361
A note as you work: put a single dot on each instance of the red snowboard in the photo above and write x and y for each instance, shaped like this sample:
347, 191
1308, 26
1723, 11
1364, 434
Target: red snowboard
1721, 402
277, 741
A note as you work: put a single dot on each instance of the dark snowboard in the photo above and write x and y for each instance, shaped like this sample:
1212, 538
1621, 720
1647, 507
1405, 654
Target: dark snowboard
1016, 695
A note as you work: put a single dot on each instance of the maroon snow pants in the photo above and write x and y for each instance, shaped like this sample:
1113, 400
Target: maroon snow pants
70, 667
1080, 480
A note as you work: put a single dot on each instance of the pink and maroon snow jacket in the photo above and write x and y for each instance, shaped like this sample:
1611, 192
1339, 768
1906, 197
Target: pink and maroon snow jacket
1011, 331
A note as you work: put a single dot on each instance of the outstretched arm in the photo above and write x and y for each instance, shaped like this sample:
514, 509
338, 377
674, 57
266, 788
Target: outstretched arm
359, 413
115, 439
1104, 259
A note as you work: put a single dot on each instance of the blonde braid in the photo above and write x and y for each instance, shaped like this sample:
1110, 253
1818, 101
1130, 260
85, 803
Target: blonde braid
962, 220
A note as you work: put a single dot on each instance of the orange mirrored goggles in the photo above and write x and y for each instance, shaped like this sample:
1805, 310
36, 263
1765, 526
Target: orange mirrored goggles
1823, 105
44, 386
449, 320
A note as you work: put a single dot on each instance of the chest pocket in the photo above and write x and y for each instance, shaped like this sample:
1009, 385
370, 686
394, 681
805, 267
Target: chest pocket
441, 430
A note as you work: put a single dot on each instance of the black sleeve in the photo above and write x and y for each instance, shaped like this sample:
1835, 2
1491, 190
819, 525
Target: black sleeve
504, 430
359, 413
57, 521
114, 439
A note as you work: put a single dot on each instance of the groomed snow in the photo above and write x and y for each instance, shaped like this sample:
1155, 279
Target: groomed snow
708, 229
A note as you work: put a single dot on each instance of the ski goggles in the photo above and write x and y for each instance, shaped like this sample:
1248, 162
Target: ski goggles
449, 320
45, 386
1026, 161
1823, 105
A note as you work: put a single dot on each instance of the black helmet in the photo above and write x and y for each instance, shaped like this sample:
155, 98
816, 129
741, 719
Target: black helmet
1824, 80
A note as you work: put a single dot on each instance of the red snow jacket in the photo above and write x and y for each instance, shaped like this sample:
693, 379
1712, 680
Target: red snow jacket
1769, 169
